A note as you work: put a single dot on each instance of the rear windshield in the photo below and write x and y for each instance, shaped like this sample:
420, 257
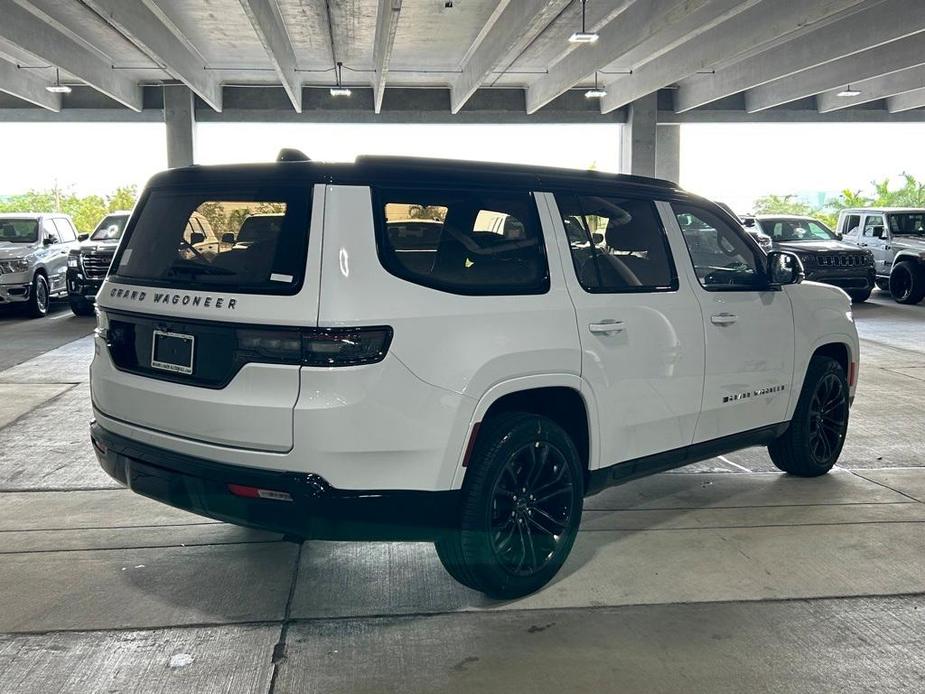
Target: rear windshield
19, 231
111, 227
254, 241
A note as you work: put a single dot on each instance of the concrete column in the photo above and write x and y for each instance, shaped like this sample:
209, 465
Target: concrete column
668, 152
638, 151
180, 117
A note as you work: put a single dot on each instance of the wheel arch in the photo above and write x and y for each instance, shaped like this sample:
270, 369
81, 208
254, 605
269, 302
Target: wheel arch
557, 396
903, 256
841, 348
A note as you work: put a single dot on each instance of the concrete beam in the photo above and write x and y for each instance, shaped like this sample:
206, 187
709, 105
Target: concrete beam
270, 28
668, 152
22, 85
27, 31
643, 31
742, 33
180, 119
511, 31
637, 152
882, 60
902, 103
873, 89
143, 23
386, 26
875, 23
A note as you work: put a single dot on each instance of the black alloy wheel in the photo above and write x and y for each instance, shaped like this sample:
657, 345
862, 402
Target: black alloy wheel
907, 283
531, 507
828, 419
520, 507
816, 433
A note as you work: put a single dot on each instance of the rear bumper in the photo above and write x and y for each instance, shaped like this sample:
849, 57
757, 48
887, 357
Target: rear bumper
316, 511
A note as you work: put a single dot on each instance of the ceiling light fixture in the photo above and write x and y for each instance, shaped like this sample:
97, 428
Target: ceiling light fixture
583, 36
848, 92
340, 89
57, 87
596, 92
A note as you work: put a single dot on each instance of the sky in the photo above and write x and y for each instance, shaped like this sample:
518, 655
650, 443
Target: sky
735, 163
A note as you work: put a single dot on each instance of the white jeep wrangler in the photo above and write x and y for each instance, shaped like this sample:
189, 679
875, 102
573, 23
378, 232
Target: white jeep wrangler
896, 237
451, 352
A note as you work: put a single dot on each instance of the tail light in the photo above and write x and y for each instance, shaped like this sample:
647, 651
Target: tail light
316, 346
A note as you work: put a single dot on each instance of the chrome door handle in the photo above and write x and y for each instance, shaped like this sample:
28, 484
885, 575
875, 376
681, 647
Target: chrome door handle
607, 327
723, 318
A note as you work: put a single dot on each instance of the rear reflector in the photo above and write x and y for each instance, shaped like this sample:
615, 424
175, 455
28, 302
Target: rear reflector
471, 445
257, 493
852, 373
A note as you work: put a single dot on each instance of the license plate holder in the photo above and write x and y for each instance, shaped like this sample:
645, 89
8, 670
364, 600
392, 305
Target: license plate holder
172, 351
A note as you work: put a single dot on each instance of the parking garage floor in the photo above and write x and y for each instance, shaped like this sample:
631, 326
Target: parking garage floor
723, 577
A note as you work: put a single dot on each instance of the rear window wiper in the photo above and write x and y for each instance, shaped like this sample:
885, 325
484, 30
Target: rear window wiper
197, 269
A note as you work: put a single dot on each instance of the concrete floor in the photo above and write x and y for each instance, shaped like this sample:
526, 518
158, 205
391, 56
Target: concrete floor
723, 577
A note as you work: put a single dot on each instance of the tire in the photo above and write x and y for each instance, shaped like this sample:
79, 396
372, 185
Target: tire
907, 283
814, 440
859, 296
510, 544
81, 307
883, 284
37, 307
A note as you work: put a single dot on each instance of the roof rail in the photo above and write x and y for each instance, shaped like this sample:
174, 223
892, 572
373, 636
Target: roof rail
290, 154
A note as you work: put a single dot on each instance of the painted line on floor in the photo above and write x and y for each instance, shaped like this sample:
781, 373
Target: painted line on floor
729, 462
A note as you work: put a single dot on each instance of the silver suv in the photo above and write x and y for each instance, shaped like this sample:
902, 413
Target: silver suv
33, 258
896, 237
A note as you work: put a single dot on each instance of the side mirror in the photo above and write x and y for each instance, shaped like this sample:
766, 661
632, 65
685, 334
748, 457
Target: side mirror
228, 237
878, 231
50, 240
83, 237
196, 237
784, 268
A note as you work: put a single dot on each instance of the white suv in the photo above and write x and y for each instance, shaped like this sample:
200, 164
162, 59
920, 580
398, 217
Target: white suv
452, 352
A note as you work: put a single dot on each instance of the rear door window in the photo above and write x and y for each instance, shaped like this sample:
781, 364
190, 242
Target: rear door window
254, 241
486, 243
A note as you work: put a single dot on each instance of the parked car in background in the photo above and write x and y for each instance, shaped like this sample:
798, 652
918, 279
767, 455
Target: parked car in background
750, 225
34, 249
349, 373
88, 263
825, 258
896, 237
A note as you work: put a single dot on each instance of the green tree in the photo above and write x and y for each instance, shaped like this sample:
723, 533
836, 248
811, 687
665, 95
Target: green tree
782, 204
123, 198
86, 211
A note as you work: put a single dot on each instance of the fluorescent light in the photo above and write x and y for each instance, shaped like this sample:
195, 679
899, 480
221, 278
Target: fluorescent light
849, 92
340, 91
595, 93
58, 89
583, 37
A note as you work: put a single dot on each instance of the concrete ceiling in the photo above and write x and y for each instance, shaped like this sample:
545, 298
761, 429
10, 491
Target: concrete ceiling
763, 53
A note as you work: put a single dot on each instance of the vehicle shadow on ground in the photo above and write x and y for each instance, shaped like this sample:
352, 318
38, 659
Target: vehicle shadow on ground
352, 579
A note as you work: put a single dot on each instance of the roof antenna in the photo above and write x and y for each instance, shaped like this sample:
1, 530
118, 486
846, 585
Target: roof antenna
290, 154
